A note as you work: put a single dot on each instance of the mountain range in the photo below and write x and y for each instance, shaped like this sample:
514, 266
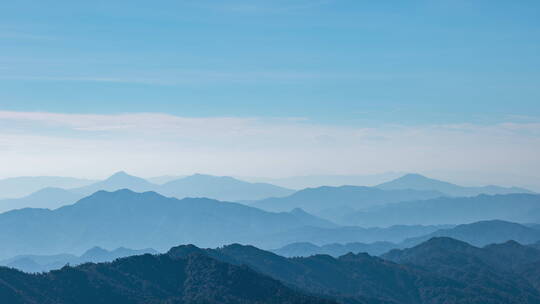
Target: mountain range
521, 208
419, 182
438, 271
478, 234
141, 220
198, 185
150, 279
361, 278
496, 270
334, 203
483, 233
341, 200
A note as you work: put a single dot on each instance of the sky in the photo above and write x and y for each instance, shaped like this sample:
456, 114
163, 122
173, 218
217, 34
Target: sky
271, 88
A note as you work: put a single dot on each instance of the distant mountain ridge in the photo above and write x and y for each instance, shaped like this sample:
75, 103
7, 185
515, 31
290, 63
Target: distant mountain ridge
521, 208
37, 263
140, 220
221, 187
483, 233
50, 198
117, 181
419, 182
321, 236
478, 234
198, 185
335, 202
17, 187
305, 249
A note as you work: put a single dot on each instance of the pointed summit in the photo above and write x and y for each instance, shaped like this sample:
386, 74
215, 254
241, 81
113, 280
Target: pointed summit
120, 174
117, 181
415, 181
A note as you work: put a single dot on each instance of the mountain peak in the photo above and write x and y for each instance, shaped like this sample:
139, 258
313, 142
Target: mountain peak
183, 251
120, 175
414, 176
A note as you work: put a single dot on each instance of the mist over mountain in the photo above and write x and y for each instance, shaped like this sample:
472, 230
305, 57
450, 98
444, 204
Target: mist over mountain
44, 263
483, 233
147, 279
335, 202
198, 185
521, 208
305, 249
381, 240
221, 188
17, 187
160, 180
141, 220
420, 182
49, 198
314, 181
326, 235
117, 181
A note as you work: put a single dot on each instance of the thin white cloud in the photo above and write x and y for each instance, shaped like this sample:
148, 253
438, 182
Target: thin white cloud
257, 6
33, 143
182, 77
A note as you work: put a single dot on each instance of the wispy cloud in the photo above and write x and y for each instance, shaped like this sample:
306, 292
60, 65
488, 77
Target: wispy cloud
257, 6
154, 143
180, 77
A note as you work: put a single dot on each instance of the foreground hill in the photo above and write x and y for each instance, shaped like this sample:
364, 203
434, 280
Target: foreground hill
360, 278
140, 220
439, 271
521, 208
43, 263
420, 182
148, 279
341, 200
495, 269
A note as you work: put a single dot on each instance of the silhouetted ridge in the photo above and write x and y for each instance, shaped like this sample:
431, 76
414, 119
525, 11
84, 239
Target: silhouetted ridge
196, 278
361, 278
499, 270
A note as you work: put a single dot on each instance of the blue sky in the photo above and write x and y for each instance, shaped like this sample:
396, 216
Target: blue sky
447, 88
335, 61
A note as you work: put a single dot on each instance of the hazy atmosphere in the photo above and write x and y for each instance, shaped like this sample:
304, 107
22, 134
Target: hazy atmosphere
270, 151
271, 89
